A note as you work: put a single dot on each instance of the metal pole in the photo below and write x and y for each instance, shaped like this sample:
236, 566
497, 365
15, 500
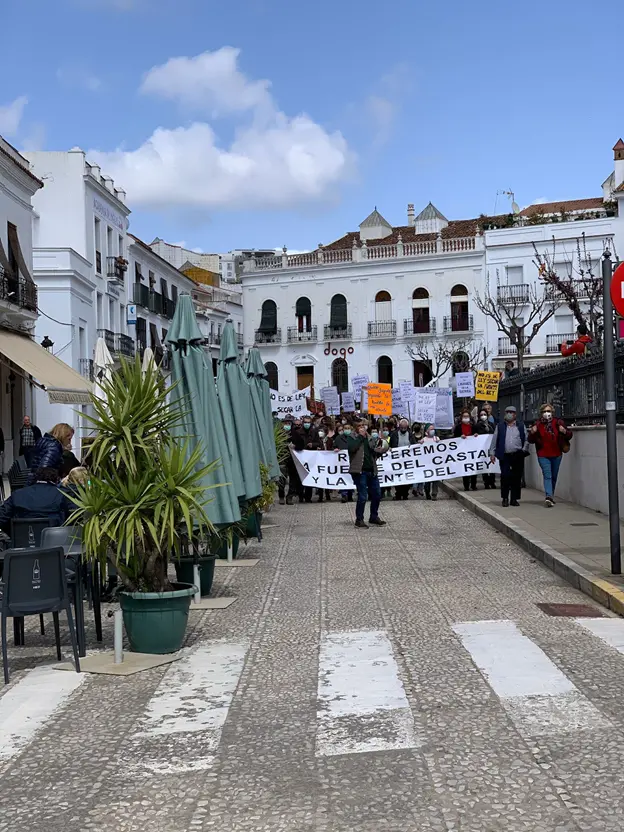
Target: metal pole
610, 407
118, 640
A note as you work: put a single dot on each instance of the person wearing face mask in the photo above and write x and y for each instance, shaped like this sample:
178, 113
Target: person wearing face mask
311, 443
402, 438
466, 427
297, 443
510, 446
342, 442
283, 484
430, 488
363, 453
551, 438
417, 434
484, 427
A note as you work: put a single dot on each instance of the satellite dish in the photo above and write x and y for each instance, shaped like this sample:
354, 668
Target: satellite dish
515, 208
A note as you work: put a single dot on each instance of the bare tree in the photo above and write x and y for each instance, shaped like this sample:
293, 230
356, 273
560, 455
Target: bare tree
443, 355
577, 283
519, 312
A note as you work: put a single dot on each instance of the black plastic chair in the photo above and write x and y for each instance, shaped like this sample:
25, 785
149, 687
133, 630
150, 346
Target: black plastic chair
27, 531
69, 537
34, 583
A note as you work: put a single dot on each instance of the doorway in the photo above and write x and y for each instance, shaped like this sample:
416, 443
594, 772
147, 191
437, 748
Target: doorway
305, 378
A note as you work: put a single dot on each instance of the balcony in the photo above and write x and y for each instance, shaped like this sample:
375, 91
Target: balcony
505, 347
458, 323
116, 268
168, 307
86, 368
337, 333
239, 340
554, 342
297, 336
141, 295
417, 329
109, 339
268, 337
124, 345
513, 295
581, 289
155, 302
382, 329
18, 290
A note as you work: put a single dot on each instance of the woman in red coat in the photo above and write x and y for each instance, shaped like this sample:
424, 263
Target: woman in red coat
550, 437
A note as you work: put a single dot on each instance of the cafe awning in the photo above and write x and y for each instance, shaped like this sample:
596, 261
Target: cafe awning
62, 384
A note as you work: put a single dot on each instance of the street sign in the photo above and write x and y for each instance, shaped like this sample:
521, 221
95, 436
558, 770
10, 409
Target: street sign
132, 313
617, 289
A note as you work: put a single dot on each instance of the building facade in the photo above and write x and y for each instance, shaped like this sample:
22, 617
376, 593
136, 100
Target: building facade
178, 255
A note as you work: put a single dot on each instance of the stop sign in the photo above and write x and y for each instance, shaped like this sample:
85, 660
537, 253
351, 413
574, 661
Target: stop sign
617, 290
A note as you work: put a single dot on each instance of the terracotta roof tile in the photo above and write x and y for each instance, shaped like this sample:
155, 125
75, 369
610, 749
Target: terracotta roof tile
591, 204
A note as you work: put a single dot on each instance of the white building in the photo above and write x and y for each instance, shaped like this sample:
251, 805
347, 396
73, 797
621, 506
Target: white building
232, 264
214, 306
178, 255
80, 265
355, 306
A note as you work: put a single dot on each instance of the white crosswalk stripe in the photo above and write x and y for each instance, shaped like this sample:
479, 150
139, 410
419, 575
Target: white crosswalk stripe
608, 630
362, 703
539, 698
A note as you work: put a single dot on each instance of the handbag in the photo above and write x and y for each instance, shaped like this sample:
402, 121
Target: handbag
564, 442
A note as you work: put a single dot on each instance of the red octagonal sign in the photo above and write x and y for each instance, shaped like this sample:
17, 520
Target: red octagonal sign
617, 289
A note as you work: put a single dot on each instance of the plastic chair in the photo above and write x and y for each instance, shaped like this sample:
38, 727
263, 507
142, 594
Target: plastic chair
69, 537
34, 583
27, 531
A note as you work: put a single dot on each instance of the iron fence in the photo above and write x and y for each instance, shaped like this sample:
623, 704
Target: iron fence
382, 329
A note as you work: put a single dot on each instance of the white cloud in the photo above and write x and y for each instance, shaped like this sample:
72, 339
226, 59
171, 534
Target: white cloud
274, 160
79, 78
11, 116
383, 105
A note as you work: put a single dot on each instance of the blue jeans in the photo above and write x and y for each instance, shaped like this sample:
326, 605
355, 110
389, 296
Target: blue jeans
367, 484
550, 471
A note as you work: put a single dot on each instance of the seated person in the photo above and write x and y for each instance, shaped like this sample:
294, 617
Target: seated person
77, 476
42, 499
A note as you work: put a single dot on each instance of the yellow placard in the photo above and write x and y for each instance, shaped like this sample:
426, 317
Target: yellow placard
379, 399
486, 388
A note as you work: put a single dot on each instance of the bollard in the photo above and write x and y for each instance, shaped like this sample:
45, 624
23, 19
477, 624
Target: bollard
196, 581
118, 637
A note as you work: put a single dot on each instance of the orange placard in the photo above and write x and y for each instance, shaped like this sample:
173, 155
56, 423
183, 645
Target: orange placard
379, 399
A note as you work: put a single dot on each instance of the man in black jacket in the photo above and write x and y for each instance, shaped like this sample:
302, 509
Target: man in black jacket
43, 499
29, 436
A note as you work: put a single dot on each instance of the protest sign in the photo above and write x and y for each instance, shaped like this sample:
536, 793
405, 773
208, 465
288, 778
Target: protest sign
397, 403
431, 461
324, 469
379, 399
290, 404
331, 399
357, 382
425, 406
348, 402
444, 419
465, 385
407, 391
487, 386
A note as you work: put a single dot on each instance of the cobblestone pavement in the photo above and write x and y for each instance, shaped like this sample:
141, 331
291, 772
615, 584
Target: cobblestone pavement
398, 678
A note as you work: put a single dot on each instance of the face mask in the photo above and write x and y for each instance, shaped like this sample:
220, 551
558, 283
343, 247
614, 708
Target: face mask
374, 435
347, 432
509, 417
385, 433
403, 428
343, 422
465, 419
483, 417
306, 426
287, 428
321, 434
547, 415
431, 432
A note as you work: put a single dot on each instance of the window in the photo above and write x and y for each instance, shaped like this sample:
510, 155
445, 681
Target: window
111, 315
97, 233
99, 311
338, 313
122, 319
422, 373
152, 279
268, 322
109, 241
137, 272
164, 335
383, 306
141, 333
340, 375
460, 321
163, 288
303, 313
514, 275
121, 246
272, 375
174, 294
384, 370
420, 312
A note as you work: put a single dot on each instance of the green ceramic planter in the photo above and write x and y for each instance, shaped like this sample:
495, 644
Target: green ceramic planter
155, 622
221, 550
184, 572
254, 521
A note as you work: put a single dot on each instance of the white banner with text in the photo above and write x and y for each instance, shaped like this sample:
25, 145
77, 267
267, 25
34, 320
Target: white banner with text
442, 460
324, 469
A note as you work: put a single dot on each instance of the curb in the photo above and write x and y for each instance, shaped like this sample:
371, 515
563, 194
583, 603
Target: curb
604, 592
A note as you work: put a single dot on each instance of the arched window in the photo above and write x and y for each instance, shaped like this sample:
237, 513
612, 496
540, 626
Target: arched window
460, 319
421, 323
422, 373
272, 374
338, 314
303, 313
384, 370
268, 321
340, 375
383, 306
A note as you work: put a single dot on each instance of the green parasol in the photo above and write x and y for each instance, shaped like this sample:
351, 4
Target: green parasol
261, 400
196, 395
241, 430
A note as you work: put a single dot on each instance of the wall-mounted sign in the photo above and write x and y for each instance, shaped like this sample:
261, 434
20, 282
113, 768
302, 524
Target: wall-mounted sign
132, 316
108, 214
343, 352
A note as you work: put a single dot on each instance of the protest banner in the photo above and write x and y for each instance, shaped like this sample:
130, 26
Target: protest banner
407, 391
331, 399
290, 404
425, 406
431, 461
348, 402
379, 399
397, 403
465, 385
324, 469
357, 382
487, 386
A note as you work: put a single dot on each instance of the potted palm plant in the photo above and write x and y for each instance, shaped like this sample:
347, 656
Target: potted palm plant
144, 498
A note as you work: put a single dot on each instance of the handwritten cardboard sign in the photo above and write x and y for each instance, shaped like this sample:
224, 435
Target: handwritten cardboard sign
379, 399
487, 386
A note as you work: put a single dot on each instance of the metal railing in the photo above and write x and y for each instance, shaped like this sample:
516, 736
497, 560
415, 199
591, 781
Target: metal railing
168, 306
155, 302
86, 368
554, 342
458, 323
509, 295
505, 347
336, 333
295, 335
115, 269
109, 338
141, 295
18, 290
581, 289
418, 328
382, 329
124, 345
268, 337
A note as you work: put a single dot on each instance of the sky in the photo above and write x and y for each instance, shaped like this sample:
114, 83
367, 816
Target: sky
262, 123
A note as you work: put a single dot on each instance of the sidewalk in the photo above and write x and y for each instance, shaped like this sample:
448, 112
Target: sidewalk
571, 540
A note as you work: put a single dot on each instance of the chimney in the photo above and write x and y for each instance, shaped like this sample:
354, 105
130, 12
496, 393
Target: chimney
410, 214
618, 155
